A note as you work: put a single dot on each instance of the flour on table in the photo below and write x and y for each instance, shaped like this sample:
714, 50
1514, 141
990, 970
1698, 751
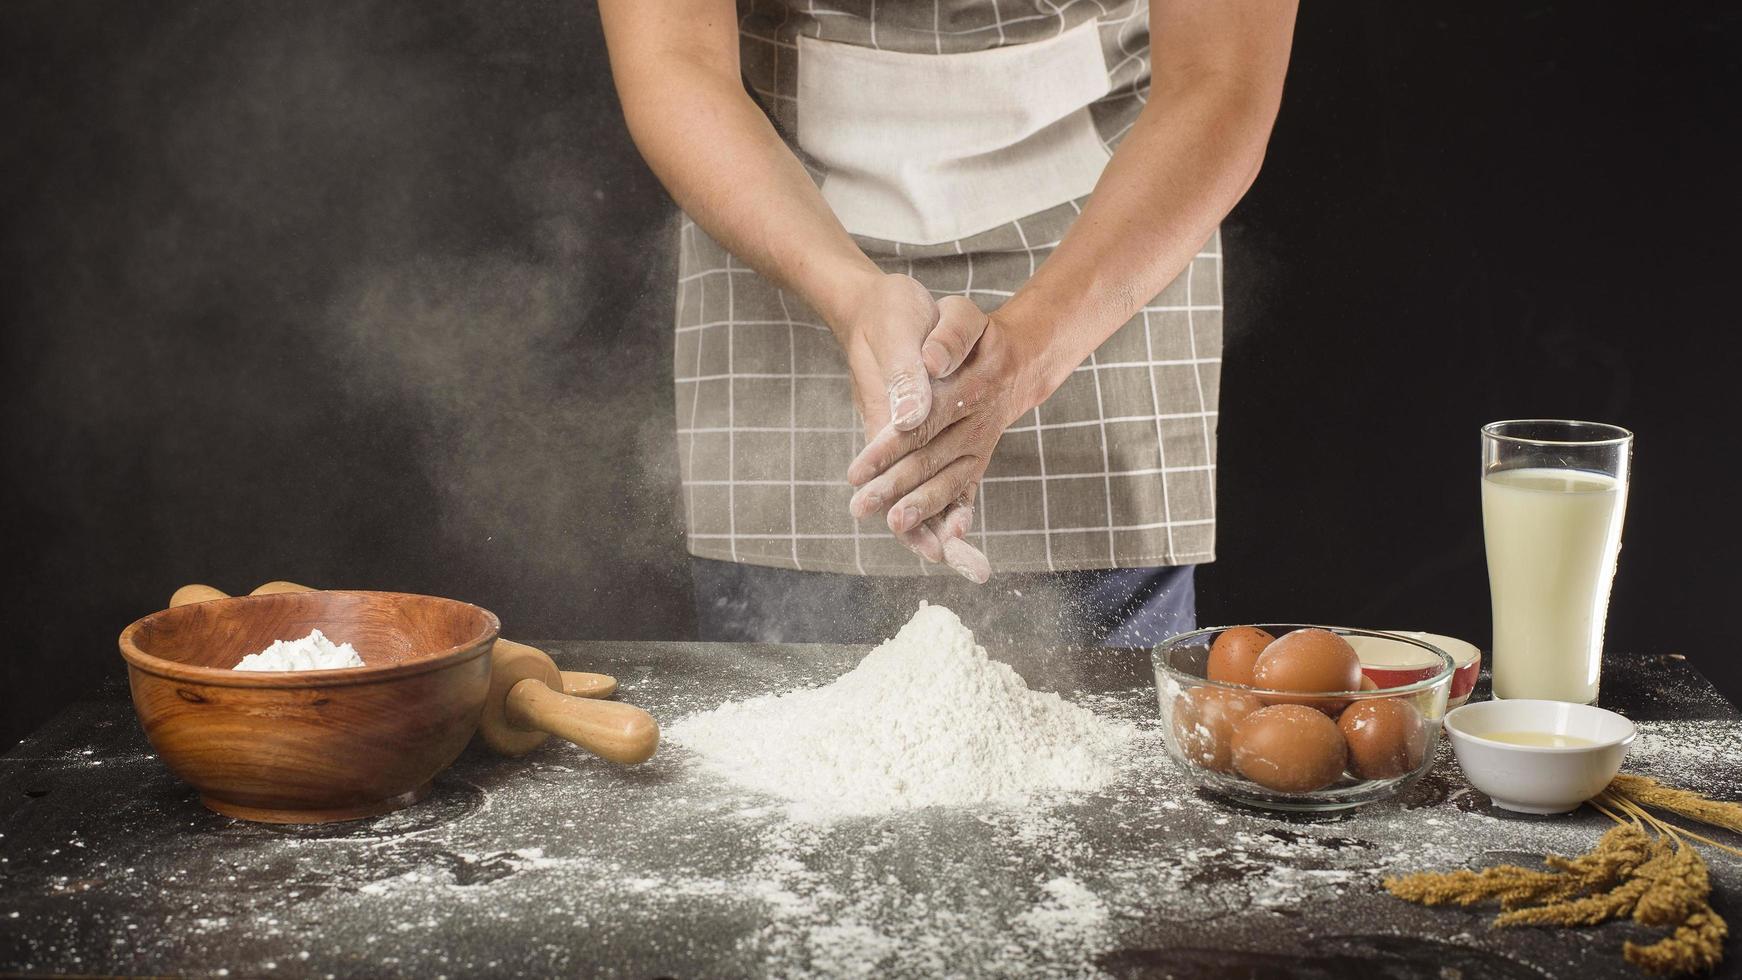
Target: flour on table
1069, 913
926, 719
312, 652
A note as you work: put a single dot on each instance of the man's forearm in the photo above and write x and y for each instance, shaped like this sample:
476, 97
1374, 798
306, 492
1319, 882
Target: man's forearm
725, 165
1193, 152
1190, 157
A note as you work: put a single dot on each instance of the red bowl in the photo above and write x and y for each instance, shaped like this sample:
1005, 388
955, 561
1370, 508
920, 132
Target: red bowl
1396, 664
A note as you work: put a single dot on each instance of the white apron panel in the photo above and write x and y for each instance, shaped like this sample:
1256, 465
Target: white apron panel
929, 148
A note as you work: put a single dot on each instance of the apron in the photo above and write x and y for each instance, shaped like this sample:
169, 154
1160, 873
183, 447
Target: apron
956, 141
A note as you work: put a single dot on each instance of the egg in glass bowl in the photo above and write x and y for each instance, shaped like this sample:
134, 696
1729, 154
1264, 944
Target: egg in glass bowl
1281, 716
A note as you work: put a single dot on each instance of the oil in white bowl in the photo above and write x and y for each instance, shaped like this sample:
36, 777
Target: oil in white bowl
1539, 740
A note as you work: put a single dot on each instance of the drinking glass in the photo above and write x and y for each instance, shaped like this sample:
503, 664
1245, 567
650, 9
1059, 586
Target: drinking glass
1554, 493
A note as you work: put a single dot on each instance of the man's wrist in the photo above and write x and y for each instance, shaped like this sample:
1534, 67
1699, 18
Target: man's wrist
1038, 345
838, 289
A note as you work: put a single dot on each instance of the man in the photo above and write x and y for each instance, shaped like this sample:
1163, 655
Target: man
861, 180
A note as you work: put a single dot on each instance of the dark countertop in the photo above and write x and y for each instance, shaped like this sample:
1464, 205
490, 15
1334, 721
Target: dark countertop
558, 863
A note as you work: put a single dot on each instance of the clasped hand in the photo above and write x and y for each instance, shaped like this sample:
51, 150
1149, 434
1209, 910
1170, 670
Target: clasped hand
937, 383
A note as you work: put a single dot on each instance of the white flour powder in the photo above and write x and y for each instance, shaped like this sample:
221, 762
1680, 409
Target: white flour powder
312, 652
924, 720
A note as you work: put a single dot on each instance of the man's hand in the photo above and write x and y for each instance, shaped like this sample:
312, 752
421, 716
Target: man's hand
897, 338
916, 475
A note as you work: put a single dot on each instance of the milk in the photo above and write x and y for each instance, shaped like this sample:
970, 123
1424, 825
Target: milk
1552, 536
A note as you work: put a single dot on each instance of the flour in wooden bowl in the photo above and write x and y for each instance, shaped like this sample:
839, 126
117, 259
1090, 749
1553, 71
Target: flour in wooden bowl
926, 719
312, 652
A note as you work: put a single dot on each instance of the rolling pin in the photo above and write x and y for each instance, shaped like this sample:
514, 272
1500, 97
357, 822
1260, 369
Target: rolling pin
530, 699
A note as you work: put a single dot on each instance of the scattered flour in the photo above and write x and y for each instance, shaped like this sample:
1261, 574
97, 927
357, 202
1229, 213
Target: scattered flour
312, 652
1069, 914
926, 719
850, 949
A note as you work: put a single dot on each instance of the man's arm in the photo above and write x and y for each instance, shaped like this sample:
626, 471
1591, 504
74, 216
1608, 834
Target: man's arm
675, 64
1218, 68
1217, 79
676, 69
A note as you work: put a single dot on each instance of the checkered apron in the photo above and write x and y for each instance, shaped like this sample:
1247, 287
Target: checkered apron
1116, 469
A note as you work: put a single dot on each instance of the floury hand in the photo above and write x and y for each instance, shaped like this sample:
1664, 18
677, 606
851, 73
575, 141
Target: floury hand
897, 339
927, 473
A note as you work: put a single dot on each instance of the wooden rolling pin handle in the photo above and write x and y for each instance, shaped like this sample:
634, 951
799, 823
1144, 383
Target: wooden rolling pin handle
189, 594
279, 588
581, 684
608, 729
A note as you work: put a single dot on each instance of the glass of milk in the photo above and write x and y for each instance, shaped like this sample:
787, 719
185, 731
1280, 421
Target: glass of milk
1553, 497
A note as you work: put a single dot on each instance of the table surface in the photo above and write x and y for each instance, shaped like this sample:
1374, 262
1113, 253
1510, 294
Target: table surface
558, 863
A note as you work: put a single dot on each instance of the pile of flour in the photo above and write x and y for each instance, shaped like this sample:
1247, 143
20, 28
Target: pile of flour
924, 720
312, 652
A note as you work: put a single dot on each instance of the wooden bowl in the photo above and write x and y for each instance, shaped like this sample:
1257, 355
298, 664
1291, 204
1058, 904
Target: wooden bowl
311, 746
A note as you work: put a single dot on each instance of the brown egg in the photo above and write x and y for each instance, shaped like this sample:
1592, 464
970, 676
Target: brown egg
1234, 653
1386, 737
1368, 683
1203, 724
1289, 747
1308, 660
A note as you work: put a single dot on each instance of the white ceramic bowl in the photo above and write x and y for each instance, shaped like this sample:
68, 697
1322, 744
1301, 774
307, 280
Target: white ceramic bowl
1538, 779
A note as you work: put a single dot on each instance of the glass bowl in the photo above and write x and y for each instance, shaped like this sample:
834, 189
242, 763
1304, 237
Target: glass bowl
1199, 729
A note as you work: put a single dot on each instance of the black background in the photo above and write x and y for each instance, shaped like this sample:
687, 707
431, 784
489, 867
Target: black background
378, 295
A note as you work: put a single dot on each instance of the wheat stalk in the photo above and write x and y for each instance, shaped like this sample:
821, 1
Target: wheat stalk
1649, 792
1643, 868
